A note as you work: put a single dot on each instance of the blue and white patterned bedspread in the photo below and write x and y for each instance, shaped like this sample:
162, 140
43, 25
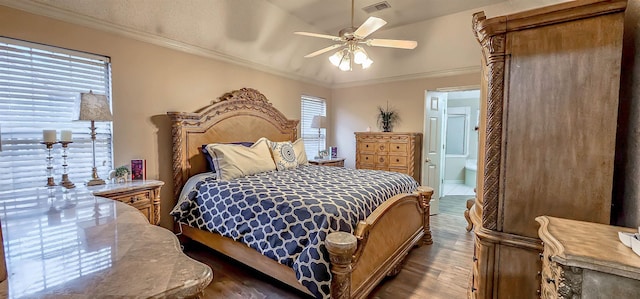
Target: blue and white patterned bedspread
286, 215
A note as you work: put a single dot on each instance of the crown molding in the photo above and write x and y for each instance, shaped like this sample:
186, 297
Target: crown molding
423, 75
82, 20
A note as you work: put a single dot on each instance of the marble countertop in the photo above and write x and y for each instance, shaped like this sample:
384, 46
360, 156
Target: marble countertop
67, 243
126, 186
589, 245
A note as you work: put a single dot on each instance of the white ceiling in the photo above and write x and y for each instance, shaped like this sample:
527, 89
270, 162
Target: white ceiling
329, 16
259, 33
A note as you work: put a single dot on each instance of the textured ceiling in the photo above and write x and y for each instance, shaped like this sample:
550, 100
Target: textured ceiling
259, 33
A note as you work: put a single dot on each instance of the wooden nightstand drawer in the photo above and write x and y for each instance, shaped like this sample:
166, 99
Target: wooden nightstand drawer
143, 195
337, 162
137, 198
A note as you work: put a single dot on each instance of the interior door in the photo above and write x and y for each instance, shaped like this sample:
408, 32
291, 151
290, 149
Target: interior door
434, 128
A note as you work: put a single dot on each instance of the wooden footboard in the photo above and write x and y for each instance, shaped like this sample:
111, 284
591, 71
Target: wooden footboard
380, 244
358, 262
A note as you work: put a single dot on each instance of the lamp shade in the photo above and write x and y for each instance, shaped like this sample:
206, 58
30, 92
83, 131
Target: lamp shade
94, 107
319, 122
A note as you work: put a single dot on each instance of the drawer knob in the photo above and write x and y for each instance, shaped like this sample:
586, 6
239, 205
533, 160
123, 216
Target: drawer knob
549, 280
541, 255
397, 160
367, 145
133, 199
381, 159
366, 158
475, 259
397, 147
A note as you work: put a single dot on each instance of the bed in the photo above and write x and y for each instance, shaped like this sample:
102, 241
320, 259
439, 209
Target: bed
359, 259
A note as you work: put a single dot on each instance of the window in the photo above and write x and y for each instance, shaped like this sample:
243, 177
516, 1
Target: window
313, 140
40, 89
457, 128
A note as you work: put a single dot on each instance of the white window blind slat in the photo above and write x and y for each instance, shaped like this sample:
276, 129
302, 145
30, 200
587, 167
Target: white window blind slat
40, 88
310, 107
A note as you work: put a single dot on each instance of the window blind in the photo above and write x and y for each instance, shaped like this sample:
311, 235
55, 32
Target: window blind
40, 89
310, 107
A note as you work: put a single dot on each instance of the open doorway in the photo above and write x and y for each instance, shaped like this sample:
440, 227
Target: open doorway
450, 144
461, 143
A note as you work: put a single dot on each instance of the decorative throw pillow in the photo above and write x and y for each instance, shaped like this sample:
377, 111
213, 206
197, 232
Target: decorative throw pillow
283, 155
234, 161
210, 163
301, 154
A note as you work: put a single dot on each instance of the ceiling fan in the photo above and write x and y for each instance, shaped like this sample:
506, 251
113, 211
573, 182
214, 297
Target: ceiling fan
350, 40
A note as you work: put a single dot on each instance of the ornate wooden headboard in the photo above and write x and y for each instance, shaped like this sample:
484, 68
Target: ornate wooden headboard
237, 116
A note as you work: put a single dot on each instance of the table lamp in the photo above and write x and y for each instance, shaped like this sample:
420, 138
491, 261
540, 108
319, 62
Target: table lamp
94, 107
319, 122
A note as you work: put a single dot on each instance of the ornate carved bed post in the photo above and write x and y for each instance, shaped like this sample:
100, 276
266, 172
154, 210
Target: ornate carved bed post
341, 247
425, 194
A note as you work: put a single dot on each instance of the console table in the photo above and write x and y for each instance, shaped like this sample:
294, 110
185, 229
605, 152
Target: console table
586, 260
69, 243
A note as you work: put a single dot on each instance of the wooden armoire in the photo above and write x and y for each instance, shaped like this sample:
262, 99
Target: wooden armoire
548, 115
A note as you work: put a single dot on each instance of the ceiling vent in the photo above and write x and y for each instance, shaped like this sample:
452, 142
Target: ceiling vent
376, 7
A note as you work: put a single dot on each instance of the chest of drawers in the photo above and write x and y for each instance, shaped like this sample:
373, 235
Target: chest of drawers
399, 152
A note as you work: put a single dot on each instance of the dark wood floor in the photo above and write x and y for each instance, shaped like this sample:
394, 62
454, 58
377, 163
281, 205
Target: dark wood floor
441, 270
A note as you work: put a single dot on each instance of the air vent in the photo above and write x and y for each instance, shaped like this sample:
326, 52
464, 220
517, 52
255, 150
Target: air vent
376, 7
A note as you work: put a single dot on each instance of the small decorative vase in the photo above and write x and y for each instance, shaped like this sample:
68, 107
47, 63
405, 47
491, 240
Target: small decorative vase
386, 126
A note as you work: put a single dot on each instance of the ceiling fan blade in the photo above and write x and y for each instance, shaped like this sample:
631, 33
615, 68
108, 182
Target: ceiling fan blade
327, 49
335, 38
369, 26
392, 43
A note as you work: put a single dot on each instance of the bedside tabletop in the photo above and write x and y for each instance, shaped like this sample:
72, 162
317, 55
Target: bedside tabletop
144, 195
339, 162
71, 244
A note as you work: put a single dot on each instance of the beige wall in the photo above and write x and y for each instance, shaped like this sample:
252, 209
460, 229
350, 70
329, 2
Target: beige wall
148, 81
354, 108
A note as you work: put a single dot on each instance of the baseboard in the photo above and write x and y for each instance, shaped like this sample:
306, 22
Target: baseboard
454, 181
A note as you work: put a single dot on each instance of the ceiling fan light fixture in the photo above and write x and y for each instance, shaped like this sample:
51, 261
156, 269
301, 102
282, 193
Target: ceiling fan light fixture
345, 63
360, 56
367, 63
350, 40
336, 58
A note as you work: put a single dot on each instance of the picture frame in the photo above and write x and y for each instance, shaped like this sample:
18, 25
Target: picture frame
333, 152
138, 169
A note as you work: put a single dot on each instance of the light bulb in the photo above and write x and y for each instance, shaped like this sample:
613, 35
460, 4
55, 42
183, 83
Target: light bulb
336, 57
367, 63
360, 56
345, 65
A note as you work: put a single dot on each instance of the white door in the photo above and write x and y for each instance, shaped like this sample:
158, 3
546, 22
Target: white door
434, 128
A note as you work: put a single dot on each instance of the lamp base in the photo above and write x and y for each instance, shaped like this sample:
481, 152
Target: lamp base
66, 182
95, 182
95, 179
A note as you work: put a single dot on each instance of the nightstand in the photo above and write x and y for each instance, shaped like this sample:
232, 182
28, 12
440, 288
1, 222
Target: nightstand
339, 162
142, 195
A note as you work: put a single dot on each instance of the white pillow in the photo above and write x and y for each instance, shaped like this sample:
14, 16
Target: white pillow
283, 155
301, 154
236, 161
